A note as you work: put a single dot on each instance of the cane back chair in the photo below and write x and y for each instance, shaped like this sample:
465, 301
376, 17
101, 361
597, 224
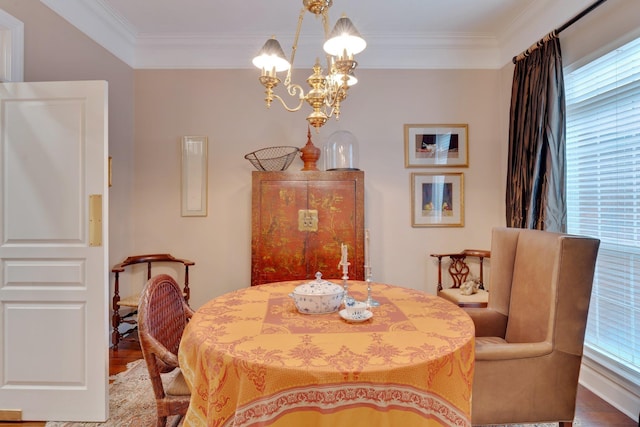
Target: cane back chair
162, 317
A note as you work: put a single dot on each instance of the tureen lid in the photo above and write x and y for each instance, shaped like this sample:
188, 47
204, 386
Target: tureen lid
317, 287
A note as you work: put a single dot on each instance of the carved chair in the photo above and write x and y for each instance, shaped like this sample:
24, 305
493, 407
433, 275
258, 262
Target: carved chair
459, 271
529, 340
131, 302
162, 316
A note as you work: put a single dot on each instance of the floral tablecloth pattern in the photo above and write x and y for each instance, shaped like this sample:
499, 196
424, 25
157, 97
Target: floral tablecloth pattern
251, 359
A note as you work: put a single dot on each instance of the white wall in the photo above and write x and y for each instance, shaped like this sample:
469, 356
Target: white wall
227, 107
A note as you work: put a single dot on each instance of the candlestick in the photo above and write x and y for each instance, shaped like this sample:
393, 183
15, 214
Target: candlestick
345, 272
367, 271
367, 263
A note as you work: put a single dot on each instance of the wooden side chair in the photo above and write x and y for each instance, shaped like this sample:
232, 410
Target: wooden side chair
162, 316
132, 301
459, 271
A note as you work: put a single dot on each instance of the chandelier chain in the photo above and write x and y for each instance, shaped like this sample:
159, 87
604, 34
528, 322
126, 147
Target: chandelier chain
294, 49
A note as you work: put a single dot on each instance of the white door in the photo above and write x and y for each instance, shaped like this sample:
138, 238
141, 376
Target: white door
53, 251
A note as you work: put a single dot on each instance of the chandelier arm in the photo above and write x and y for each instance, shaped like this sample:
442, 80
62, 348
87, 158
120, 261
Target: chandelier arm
335, 96
330, 98
332, 89
292, 90
330, 111
286, 107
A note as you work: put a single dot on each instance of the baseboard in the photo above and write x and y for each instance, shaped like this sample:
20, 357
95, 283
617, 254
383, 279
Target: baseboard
601, 383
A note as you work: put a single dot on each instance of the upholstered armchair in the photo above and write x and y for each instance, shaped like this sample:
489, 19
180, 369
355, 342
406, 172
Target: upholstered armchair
529, 339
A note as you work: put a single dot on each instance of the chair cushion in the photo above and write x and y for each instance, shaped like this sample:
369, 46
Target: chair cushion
489, 340
177, 385
454, 295
134, 300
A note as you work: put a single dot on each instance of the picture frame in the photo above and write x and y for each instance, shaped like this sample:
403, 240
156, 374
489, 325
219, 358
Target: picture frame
437, 199
194, 176
439, 145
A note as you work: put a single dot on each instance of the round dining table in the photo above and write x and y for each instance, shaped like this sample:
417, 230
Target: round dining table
251, 359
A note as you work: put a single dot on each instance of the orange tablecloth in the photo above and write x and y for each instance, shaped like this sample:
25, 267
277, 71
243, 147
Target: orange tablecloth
251, 359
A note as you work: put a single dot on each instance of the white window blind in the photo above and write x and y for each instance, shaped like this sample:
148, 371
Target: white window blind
603, 198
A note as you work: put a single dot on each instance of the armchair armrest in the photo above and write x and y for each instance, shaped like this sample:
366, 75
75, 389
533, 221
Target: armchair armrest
507, 351
488, 322
167, 361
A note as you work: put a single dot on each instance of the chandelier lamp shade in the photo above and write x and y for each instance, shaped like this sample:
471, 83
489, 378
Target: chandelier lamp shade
326, 92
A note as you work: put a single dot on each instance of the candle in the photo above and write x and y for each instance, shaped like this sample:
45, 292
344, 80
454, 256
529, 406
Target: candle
367, 262
344, 262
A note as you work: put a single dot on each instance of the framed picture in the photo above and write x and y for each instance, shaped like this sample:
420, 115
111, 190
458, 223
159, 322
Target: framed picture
194, 176
436, 146
437, 200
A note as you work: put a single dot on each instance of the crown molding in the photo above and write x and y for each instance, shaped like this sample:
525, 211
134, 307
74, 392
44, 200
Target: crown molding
399, 51
537, 20
97, 20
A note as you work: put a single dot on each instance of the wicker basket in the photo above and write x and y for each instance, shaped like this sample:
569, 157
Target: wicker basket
273, 158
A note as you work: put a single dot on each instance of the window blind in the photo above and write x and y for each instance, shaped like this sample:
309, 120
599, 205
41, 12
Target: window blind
603, 198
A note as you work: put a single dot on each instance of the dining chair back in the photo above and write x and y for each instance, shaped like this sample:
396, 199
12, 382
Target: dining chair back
162, 317
459, 269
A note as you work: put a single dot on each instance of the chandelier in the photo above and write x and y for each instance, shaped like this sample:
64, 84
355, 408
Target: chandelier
326, 92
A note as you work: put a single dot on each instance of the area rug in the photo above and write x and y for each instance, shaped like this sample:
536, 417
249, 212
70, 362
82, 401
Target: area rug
131, 400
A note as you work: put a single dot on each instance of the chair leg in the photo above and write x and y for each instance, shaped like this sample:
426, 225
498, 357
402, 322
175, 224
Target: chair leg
115, 316
162, 422
177, 421
565, 424
115, 322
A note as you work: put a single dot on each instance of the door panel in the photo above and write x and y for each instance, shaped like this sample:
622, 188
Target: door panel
335, 202
45, 203
54, 283
282, 248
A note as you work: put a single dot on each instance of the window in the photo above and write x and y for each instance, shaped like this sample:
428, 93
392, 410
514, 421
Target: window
603, 198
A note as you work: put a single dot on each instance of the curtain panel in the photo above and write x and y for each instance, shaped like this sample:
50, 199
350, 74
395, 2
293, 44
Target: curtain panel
536, 165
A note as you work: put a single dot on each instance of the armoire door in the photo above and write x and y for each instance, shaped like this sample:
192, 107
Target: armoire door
300, 220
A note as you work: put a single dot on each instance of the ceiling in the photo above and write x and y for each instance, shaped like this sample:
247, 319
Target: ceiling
400, 33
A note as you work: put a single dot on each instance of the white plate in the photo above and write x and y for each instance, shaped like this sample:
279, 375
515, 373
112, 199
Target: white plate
366, 315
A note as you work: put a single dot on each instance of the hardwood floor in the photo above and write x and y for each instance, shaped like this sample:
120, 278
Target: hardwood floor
127, 352
590, 410
595, 412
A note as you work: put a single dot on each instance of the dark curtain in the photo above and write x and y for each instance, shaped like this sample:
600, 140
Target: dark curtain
536, 167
